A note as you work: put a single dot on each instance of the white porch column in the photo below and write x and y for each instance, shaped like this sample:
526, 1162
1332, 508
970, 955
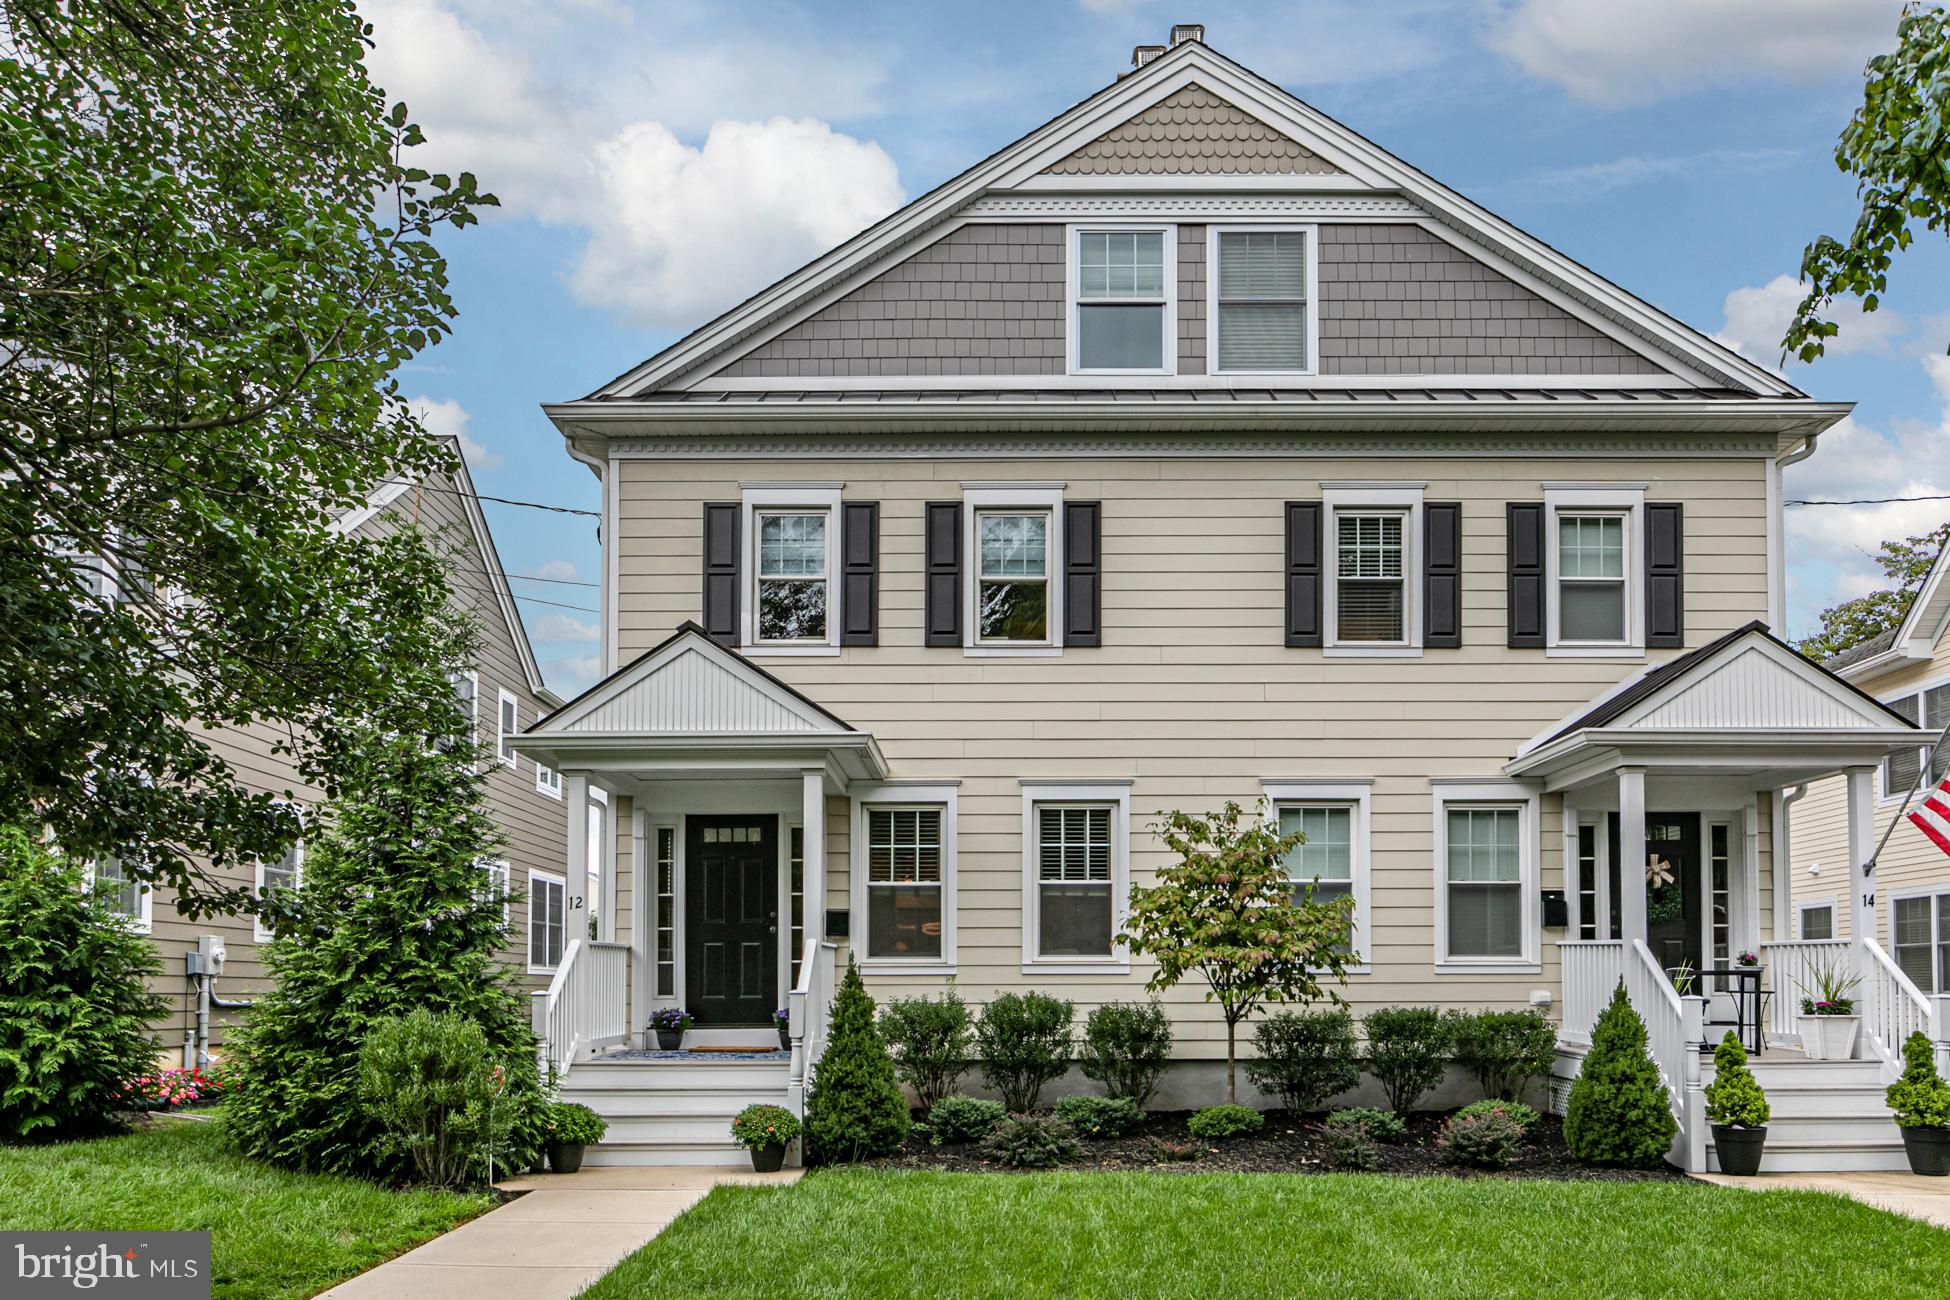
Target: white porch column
575, 868
1861, 843
1746, 914
812, 810
1631, 854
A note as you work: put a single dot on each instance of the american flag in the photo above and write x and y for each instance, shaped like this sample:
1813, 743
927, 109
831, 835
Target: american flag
1933, 817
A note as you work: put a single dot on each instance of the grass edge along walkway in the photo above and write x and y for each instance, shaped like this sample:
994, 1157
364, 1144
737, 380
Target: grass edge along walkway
859, 1233
275, 1234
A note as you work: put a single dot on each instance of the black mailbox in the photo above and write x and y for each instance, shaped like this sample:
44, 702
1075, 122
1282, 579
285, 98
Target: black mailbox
1557, 915
838, 922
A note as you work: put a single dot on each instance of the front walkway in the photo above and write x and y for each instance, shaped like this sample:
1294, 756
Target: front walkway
1927, 1199
567, 1231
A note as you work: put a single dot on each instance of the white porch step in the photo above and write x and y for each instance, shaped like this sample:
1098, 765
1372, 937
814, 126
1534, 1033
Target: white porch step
1805, 1155
672, 1111
665, 1153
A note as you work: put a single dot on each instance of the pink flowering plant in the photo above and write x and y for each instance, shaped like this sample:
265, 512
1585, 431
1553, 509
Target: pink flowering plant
162, 1089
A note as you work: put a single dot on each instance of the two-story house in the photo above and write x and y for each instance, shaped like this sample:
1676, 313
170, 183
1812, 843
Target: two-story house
506, 693
1189, 449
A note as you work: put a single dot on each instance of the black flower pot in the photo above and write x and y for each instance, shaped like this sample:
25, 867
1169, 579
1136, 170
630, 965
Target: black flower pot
670, 1040
1739, 1149
565, 1157
768, 1159
785, 1039
1928, 1150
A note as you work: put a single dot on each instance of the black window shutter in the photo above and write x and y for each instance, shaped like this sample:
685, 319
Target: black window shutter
860, 573
1525, 537
941, 559
1083, 586
721, 570
1303, 573
1665, 575
1442, 575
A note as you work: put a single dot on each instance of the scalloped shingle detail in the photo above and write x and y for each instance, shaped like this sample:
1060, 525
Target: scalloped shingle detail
1194, 133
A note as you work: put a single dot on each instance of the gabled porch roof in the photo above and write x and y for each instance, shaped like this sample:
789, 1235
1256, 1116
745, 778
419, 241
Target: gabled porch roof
1745, 705
691, 707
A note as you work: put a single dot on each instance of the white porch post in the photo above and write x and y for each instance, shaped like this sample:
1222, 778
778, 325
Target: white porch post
1746, 927
812, 794
1861, 843
575, 869
1631, 854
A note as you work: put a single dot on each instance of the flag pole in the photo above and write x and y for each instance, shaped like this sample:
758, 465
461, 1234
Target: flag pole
1922, 775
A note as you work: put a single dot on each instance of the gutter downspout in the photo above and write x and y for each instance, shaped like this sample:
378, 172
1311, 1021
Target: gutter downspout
1777, 531
1784, 861
601, 467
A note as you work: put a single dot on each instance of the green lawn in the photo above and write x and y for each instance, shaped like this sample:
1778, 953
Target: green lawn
274, 1234
1126, 1236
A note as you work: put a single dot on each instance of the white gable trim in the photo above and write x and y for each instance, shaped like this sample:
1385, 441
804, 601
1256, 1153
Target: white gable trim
715, 692
1741, 688
1929, 614
1365, 165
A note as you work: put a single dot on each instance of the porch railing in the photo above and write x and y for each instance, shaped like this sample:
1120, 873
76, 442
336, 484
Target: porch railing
1892, 1008
585, 1007
1592, 969
1673, 1025
809, 1008
1791, 965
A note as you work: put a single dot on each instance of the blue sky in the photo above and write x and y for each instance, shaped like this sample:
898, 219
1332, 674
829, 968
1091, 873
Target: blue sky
659, 161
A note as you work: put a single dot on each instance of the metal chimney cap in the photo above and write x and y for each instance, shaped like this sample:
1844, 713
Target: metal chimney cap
1143, 54
1182, 32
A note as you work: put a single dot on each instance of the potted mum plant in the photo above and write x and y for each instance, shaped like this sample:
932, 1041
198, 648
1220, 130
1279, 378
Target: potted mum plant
1921, 1100
1737, 1109
670, 1024
782, 1021
1828, 1019
765, 1131
571, 1127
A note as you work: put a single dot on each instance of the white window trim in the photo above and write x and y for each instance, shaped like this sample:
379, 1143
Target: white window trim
1937, 936
1312, 234
543, 783
145, 896
1628, 500
1027, 497
789, 498
896, 794
1116, 793
1885, 797
258, 931
501, 873
1495, 793
528, 954
1376, 498
1338, 794
1168, 352
503, 696
1803, 905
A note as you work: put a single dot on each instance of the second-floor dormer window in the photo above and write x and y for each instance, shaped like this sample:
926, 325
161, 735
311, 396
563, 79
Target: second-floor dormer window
1260, 321
1121, 313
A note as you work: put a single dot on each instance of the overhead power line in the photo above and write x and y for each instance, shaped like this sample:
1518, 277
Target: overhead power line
1871, 501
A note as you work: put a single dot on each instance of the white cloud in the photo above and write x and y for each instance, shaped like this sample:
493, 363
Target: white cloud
559, 570
572, 674
1758, 315
562, 627
449, 419
1593, 179
1612, 53
687, 232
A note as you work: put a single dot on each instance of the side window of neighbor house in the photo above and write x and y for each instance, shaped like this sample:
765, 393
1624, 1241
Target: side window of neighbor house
109, 877
276, 877
547, 899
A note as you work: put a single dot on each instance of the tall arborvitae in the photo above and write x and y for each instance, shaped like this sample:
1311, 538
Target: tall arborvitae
855, 1108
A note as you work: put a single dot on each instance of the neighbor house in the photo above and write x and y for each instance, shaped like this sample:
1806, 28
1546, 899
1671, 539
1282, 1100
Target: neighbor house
503, 689
1907, 668
1189, 449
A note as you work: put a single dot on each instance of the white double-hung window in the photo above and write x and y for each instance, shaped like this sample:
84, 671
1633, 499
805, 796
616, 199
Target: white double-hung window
1486, 876
1373, 593
507, 727
1076, 875
1929, 709
1013, 545
1259, 318
1332, 863
276, 878
1122, 308
791, 533
1920, 928
547, 921
903, 876
128, 898
1596, 568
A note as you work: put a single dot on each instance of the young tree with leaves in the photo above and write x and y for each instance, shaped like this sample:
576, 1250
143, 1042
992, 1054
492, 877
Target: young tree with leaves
214, 255
1897, 146
1905, 564
1227, 910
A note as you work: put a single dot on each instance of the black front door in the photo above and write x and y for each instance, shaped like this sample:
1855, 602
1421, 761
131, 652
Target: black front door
1672, 908
731, 877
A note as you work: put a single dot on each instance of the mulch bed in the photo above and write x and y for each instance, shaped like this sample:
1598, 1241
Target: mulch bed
1287, 1145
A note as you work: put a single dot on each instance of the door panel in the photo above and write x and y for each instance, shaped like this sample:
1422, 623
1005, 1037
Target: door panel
732, 894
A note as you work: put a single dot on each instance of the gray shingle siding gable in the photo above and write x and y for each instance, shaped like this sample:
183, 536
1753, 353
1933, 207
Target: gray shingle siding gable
1394, 299
984, 300
989, 300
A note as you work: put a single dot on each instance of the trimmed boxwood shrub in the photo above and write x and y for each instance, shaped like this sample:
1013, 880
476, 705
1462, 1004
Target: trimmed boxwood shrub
930, 1040
1408, 1051
1505, 1050
964, 1119
75, 1005
1031, 1142
1921, 1099
1126, 1046
1024, 1042
1619, 1113
1100, 1117
1225, 1121
854, 1109
1305, 1057
1734, 1098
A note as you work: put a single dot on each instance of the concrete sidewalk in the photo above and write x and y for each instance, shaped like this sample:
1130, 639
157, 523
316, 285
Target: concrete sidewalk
567, 1231
1927, 1199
